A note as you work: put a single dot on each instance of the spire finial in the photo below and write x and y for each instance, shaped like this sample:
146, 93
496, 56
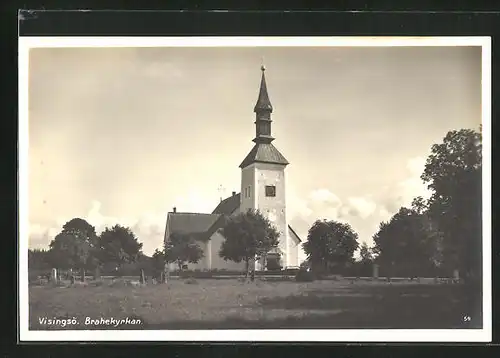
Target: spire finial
263, 103
262, 66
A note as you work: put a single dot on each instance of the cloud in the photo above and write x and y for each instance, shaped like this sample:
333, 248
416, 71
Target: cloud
325, 196
361, 207
403, 193
363, 213
148, 227
416, 166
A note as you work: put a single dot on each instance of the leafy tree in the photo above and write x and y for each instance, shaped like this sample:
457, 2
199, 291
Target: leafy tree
83, 231
75, 246
38, 259
330, 244
119, 245
365, 253
248, 235
182, 248
453, 172
158, 259
68, 251
80, 227
419, 205
404, 244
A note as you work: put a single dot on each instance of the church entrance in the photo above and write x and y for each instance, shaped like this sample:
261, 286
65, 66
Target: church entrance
273, 261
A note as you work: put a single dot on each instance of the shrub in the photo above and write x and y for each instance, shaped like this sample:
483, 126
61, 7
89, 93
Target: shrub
304, 276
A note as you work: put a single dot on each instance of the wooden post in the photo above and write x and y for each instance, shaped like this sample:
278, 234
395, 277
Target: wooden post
166, 272
82, 274
53, 276
375, 271
97, 273
142, 279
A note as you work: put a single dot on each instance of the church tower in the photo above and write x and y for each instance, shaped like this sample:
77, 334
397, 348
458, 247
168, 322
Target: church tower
263, 173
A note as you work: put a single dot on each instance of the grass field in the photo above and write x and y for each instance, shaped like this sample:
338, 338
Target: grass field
231, 304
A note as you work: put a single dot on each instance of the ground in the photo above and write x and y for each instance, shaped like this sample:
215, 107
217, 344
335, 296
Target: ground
229, 303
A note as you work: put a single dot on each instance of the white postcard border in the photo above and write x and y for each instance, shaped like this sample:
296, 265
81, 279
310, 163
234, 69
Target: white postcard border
310, 335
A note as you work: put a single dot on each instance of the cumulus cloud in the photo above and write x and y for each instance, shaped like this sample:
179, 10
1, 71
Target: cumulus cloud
325, 196
363, 213
362, 207
149, 227
403, 193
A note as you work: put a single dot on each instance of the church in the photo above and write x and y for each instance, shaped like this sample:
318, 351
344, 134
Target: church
262, 188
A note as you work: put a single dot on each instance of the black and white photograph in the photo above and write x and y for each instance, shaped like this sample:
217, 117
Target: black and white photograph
243, 188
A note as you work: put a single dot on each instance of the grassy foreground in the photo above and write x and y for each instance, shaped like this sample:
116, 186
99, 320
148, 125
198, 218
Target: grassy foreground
231, 304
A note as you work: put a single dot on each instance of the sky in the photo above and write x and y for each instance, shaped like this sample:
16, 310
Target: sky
122, 135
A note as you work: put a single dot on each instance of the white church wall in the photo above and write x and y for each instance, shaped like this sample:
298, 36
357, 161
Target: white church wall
247, 196
201, 265
218, 262
293, 250
273, 207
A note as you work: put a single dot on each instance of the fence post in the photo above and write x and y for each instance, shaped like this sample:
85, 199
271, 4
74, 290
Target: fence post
53, 276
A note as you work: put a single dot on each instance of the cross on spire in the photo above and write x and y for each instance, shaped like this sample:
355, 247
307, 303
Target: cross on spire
221, 190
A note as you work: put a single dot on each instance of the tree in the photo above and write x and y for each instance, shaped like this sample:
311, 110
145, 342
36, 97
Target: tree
182, 248
453, 172
119, 245
75, 246
404, 244
68, 251
83, 231
330, 244
248, 235
419, 205
158, 259
366, 254
38, 259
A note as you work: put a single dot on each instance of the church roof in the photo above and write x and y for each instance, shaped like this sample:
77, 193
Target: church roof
264, 153
202, 226
193, 223
228, 205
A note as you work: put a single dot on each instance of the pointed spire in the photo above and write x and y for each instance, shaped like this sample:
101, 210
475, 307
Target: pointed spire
263, 104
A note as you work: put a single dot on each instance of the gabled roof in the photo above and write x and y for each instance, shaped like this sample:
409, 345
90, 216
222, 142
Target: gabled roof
194, 223
293, 232
264, 153
228, 205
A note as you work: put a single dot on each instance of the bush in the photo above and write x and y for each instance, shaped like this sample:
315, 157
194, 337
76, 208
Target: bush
304, 276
